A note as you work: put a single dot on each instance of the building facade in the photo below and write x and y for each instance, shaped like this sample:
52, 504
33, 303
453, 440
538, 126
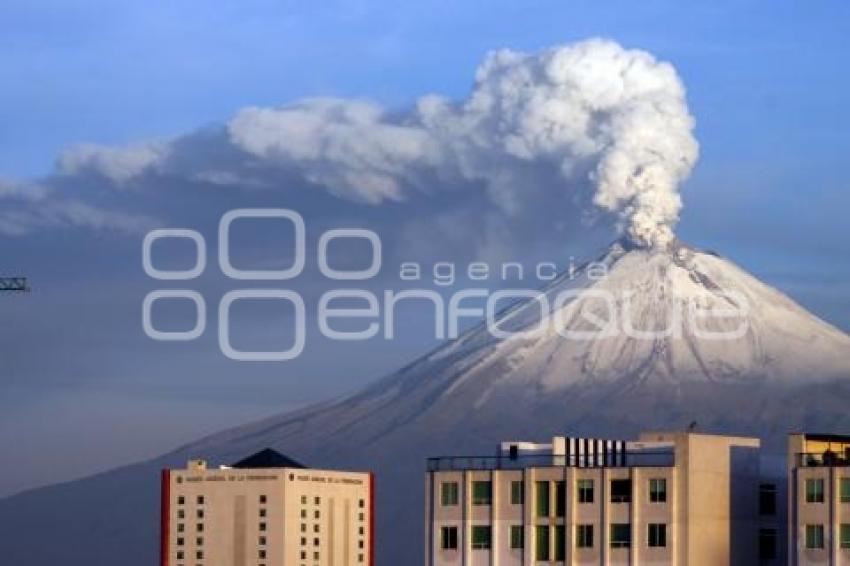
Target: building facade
668, 498
818, 499
266, 510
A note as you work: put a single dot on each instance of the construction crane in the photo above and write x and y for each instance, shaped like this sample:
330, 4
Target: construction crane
14, 284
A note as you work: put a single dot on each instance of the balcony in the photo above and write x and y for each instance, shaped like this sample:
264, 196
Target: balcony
641, 459
823, 460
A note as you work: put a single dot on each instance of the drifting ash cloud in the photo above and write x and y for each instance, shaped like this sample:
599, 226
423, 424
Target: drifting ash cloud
607, 126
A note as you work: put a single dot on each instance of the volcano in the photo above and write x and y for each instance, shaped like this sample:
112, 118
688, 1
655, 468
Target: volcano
641, 338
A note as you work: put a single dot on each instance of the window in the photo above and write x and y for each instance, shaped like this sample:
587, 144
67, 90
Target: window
767, 499
814, 491
200, 500
584, 536
262, 499
560, 543
261, 553
448, 538
517, 493
844, 490
584, 488
844, 535
200, 513
560, 499
481, 492
517, 537
542, 546
621, 535
541, 491
767, 544
480, 537
657, 535
262, 526
448, 493
262, 541
181, 500
814, 536
262, 512
658, 490
621, 491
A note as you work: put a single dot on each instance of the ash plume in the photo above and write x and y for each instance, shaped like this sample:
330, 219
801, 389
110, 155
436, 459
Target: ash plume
590, 113
607, 127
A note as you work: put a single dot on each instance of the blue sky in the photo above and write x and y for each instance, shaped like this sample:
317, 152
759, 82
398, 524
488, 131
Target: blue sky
767, 83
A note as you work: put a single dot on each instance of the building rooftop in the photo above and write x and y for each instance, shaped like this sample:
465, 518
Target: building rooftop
268, 458
562, 452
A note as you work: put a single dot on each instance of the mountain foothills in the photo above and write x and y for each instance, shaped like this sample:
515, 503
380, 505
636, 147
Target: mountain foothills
669, 336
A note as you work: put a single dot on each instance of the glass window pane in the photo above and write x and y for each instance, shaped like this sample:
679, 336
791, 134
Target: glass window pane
517, 536
814, 536
844, 535
657, 535
658, 490
584, 488
542, 498
517, 493
449, 493
480, 537
560, 499
845, 490
560, 542
767, 499
621, 491
542, 542
621, 535
814, 490
584, 536
481, 492
767, 544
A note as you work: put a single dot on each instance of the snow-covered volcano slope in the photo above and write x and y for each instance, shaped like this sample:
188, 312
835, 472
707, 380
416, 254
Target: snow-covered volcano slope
787, 370
670, 315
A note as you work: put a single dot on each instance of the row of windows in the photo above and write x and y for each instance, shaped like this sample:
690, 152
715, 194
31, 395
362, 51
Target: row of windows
316, 542
620, 492
181, 500
815, 490
360, 557
620, 536
815, 536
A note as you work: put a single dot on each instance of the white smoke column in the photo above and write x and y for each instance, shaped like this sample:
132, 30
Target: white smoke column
593, 103
590, 114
